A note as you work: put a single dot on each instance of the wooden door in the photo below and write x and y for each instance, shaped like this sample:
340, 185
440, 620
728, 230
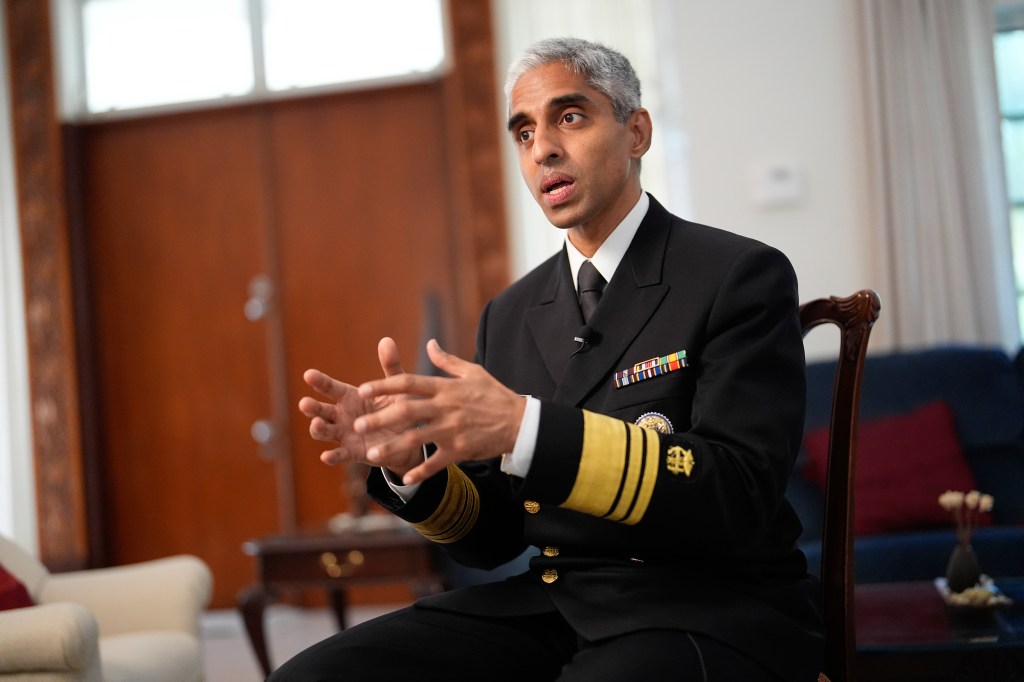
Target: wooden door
340, 206
173, 217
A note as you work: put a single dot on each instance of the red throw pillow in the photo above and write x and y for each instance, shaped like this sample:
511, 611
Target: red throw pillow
904, 463
13, 594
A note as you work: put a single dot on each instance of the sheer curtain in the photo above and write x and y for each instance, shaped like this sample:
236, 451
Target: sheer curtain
941, 211
17, 483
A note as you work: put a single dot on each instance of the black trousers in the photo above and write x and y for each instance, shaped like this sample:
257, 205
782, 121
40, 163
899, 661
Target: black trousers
419, 644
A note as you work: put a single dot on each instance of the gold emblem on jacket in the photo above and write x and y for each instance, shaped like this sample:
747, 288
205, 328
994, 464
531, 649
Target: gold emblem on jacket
655, 421
679, 460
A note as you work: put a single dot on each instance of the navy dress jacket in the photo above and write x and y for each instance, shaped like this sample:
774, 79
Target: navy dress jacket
697, 331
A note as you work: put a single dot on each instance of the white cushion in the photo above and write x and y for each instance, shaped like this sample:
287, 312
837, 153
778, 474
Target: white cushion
162, 594
154, 656
25, 567
49, 642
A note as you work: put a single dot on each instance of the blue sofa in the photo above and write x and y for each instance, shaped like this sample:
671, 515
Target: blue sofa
984, 389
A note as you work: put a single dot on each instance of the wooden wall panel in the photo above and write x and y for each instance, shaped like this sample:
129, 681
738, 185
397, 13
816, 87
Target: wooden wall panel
61, 491
474, 132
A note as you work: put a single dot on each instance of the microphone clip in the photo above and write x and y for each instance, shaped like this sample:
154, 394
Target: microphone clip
583, 338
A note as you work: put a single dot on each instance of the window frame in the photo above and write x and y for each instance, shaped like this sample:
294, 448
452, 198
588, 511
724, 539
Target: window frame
69, 62
1009, 18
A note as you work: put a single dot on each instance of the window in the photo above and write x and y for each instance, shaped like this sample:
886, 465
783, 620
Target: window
1009, 57
147, 52
124, 55
348, 40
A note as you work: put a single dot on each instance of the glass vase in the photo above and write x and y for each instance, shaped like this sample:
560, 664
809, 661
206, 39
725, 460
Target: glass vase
963, 571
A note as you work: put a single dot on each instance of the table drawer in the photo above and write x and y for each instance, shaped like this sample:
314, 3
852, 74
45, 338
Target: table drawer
346, 564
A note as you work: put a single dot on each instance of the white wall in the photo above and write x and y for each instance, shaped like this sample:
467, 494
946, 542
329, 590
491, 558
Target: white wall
17, 484
780, 82
735, 85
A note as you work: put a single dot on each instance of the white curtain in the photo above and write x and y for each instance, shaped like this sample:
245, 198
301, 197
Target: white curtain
17, 483
941, 211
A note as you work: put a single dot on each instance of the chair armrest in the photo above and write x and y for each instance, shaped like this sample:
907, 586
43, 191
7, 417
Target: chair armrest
164, 594
54, 638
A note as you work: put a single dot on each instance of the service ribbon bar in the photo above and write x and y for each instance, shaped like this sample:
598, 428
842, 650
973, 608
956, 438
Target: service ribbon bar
651, 368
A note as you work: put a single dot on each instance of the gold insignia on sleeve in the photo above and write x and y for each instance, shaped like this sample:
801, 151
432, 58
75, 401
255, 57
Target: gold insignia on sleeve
679, 460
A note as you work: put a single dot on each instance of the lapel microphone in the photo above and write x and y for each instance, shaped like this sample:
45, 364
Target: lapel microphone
583, 337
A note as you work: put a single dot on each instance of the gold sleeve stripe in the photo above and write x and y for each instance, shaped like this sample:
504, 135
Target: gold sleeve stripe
617, 472
652, 448
457, 513
599, 475
634, 466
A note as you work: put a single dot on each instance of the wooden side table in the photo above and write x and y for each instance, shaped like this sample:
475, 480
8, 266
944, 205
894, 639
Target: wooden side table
332, 562
905, 632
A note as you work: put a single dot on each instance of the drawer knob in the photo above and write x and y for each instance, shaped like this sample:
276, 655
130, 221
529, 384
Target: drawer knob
348, 566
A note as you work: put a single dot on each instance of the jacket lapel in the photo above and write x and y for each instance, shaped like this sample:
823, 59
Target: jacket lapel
629, 300
556, 319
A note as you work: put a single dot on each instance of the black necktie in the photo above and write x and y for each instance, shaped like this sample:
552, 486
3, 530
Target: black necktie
590, 285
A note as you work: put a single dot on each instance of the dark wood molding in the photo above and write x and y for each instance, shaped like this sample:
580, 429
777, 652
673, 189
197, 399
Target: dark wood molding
53, 370
477, 188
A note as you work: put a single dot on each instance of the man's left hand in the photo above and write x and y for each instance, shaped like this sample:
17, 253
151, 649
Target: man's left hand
468, 415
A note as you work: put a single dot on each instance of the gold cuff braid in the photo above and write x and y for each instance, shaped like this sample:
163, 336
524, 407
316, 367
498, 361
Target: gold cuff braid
457, 513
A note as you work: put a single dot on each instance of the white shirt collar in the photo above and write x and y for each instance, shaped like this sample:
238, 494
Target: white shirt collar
610, 253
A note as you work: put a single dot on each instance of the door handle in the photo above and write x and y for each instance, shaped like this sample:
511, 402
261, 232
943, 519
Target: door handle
264, 432
261, 295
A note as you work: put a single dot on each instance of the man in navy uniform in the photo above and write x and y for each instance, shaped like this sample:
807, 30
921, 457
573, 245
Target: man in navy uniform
634, 410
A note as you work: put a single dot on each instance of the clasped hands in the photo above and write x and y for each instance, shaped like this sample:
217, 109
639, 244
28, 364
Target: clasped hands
468, 415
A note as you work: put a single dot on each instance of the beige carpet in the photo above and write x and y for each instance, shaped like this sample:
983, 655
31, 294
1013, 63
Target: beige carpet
228, 657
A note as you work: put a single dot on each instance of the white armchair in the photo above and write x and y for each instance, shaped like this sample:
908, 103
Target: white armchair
137, 623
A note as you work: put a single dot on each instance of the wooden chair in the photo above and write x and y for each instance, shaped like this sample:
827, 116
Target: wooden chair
854, 315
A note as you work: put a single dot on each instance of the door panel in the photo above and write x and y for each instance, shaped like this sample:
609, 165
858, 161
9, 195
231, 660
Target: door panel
173, 222
364, 235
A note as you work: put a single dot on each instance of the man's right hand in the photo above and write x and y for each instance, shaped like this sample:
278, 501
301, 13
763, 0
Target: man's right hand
331, 420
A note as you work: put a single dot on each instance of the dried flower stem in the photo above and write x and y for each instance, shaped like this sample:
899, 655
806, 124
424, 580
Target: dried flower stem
966, 509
